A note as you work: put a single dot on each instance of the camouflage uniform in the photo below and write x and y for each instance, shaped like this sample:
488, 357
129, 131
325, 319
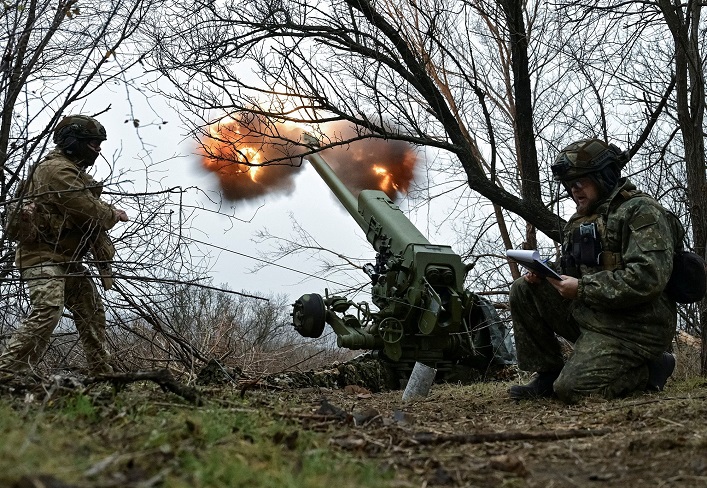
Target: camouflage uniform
72, 219
621, 317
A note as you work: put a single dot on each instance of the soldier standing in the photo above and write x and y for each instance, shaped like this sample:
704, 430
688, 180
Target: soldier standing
617, 258
70, 222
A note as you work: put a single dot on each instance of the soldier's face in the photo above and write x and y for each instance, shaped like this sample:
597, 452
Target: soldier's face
585, 193
95, 144
87, 151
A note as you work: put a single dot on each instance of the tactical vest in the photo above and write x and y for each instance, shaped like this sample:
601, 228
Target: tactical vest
593, 242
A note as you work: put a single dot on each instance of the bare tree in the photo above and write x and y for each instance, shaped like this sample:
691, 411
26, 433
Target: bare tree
383, 67
254, 336
485, 83
494, 87
684, 23
64, 57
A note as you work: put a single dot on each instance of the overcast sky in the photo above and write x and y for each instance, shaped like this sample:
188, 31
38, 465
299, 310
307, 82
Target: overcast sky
311, 204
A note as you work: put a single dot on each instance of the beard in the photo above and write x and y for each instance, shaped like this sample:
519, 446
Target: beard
586, 207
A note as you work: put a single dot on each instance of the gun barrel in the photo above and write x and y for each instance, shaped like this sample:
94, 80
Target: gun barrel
334, 183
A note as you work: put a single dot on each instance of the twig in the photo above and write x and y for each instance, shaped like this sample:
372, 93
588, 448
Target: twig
312, 416
160, 376
252, 384
427, 438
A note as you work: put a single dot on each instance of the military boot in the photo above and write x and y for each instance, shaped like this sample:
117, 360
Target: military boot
659, 370
539, 387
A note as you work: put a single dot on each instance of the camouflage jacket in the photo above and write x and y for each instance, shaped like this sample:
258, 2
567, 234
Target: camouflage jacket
73, 215
622, 294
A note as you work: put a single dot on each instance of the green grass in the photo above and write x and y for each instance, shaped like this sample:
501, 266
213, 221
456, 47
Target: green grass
133, 438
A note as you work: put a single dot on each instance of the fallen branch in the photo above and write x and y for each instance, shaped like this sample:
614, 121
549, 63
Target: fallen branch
428, 438
256, 383
160, 376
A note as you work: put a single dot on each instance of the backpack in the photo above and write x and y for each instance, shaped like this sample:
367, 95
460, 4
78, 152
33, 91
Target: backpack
24, 220
19, 221
19, 217
688, 281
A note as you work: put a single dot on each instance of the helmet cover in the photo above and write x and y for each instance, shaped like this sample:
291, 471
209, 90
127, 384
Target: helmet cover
585, 157
73, 128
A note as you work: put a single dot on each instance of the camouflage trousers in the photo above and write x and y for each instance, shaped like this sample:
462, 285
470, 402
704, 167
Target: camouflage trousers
599, 364
52, 287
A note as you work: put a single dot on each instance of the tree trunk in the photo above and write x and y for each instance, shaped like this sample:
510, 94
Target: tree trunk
523, 117
690, 89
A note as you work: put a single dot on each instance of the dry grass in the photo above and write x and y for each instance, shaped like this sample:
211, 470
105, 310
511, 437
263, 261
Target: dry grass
458, 436
687, 353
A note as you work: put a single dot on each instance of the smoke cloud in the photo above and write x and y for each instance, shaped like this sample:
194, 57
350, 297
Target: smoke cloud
235, 150
250, 159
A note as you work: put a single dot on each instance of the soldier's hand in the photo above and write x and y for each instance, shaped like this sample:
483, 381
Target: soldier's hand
567, 287
122, 215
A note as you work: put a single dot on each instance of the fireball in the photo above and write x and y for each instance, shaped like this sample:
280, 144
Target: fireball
241, 156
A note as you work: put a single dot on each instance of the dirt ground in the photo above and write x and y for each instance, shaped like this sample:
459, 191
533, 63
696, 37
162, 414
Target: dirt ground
475, 436
458, 436
468, 435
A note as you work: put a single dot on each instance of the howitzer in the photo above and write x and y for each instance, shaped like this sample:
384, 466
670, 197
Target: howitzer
424, 313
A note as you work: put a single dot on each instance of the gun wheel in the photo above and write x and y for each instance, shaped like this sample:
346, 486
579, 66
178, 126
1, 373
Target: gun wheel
391, 330
308, 315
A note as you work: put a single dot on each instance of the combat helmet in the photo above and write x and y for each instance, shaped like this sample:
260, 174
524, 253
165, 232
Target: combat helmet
73, 128
590, 157
73, 135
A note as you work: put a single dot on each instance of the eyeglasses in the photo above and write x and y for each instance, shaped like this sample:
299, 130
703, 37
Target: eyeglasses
578, 184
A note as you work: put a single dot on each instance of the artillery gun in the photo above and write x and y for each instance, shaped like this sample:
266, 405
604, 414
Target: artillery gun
424, 314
